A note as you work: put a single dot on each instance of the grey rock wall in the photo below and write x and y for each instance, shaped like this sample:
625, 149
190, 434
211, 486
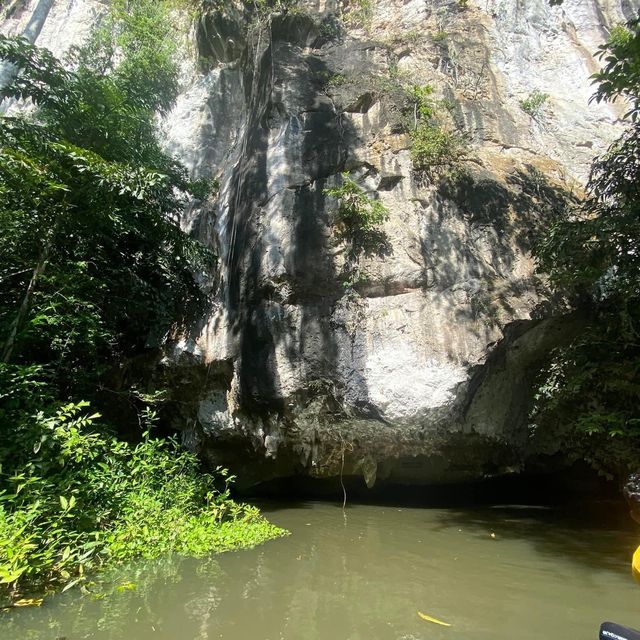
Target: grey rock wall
425, 375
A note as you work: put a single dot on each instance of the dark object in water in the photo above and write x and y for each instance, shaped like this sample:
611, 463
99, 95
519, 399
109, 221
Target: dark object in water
613, 631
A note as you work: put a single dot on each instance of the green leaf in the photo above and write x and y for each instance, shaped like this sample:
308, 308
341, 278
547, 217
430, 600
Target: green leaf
71, 584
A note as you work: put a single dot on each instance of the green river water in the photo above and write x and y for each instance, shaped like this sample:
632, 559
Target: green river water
363, 574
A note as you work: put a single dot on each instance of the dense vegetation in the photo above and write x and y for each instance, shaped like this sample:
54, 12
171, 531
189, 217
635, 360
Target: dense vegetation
588, 399
95, 271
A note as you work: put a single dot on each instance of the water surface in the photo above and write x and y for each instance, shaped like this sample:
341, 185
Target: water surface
363, 575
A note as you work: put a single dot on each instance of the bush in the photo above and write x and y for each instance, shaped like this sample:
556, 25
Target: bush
433, 146
359, 217
74, 498
358, 220
95, 269
420, 97
534, 103
587, 397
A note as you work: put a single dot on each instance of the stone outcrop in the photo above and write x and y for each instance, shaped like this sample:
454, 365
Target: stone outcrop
421, 369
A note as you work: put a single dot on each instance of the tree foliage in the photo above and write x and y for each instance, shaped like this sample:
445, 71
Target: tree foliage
620, 76
94, 271
591, 390
93, 257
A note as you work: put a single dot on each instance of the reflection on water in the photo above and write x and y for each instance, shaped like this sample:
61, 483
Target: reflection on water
364, 576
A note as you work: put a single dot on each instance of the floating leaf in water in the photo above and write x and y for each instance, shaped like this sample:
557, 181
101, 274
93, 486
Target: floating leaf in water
424, 616
28, 602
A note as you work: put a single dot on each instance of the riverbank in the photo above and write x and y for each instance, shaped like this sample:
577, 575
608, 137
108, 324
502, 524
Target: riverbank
83, 500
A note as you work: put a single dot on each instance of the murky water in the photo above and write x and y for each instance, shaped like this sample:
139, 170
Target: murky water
365, 574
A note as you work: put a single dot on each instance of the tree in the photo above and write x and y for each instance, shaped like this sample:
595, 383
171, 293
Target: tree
589, 397
94, 261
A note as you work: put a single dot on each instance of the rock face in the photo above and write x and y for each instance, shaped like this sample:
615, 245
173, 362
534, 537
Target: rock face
416, 366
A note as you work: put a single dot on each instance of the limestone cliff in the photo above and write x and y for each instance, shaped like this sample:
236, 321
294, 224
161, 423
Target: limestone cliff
421, 370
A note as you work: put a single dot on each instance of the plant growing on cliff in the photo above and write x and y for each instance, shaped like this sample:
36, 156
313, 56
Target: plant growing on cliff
358, 220
432, 145
264, 10
421, 97
589, 393
534, 103
358, 215
358, 13
439, 37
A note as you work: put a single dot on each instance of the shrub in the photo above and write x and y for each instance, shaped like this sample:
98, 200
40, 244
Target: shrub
433, 146
74, 498
619, 37
534, 103
358, 220
420, 97
95, 269
357, 212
